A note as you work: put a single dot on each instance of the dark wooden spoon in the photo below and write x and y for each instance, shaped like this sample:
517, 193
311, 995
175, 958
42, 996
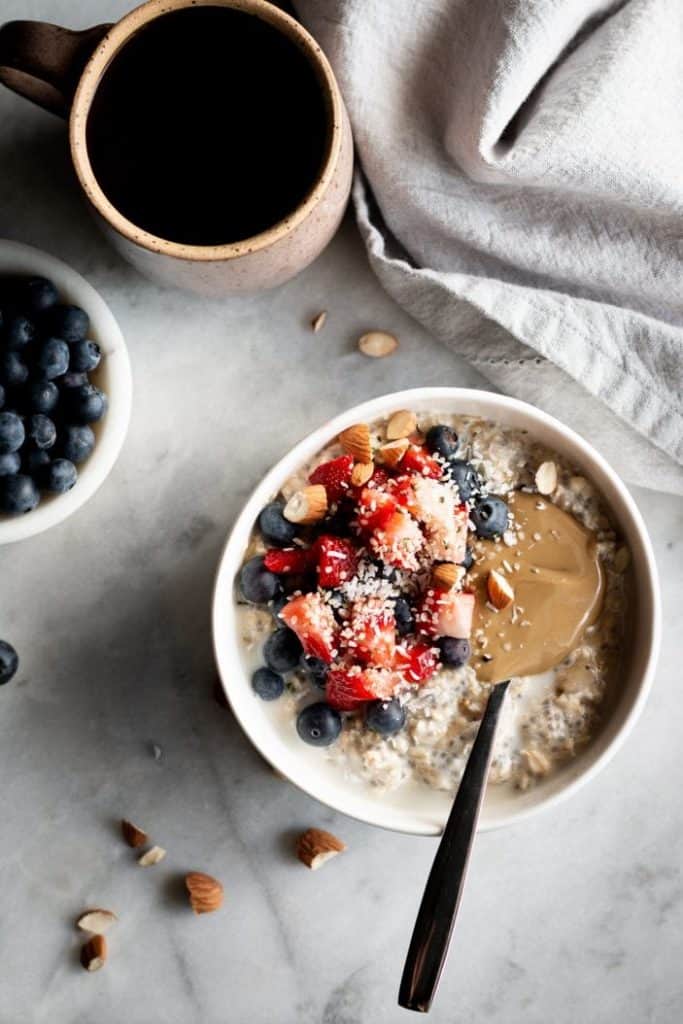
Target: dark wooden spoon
441, 899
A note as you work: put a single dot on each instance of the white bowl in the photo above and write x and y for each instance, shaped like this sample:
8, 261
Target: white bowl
112, 375
422, 811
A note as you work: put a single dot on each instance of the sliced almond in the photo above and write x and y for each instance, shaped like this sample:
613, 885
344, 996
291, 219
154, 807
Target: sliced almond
97, 922
206, 892
499, 590
361, 473
355, 441
546, 478
377, 344
402, 424
152, 857
133, 835
391, 453
308, 505
94, 953
446, 575
316, 846
318, 322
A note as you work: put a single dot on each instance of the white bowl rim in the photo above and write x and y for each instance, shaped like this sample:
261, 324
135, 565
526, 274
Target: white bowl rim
231, 557
17, 257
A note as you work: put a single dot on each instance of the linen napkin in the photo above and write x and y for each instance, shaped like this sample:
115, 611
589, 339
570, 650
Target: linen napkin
521, 195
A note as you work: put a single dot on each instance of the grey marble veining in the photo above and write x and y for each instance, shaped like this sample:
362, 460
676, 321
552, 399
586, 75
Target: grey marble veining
574, 916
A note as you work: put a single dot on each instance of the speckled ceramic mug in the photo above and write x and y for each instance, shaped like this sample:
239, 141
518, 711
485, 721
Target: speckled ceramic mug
60, 70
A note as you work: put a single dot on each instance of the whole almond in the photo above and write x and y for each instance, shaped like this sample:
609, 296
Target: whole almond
356, 441
499, 590
308, 505
133, 835
391, 453
402, 424
377, 344
361, 473
446, 575
94, 953
152, 857
206, 892
546, 478
315, 847
97, 922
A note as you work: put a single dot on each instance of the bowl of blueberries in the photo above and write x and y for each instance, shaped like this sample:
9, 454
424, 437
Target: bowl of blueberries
65, 391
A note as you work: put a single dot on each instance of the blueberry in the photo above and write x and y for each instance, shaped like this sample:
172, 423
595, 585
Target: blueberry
76, 442
454, 652
278, 603
59, 476
20, 331
39, 294
9, 662
12, 433
319, 724
257, 584
69, 323
468, 560
10, 462
18, 494
317, 670
86, 404
34, 462
442, 440
385, 717
85, 356
405, 622
73, 380
465, 477
282, 650
41, 430
42, 395
274, 527
52, 359
267, 684
13, 370
339, 523
490, 517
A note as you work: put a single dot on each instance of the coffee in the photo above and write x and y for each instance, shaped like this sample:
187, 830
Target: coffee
208, 127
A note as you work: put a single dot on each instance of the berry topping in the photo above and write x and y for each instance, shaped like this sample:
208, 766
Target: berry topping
286, 560
370, 636
454, 652
441, 440
465, 477
490, 517
417, 663
398, 541
347, 688
385, 717
405, 622
282, 650
258, 586
274, 527
318, 724
312, 619
268, 685
417, 460
375, 507
335, 476
317, 670
337, 560
446, 613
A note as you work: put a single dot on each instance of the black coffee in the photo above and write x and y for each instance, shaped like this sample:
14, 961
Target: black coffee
208, 127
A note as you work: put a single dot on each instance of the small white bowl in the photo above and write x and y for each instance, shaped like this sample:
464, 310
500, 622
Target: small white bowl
112, 375
422, 811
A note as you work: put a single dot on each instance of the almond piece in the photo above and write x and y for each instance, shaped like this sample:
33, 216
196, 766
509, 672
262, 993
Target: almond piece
94, 953
355, 441
97, 922
133, 835
377, 344
446, 575
401, 424
318, 322
316, 846
308, 505
391, 453
546, 478
361, 473
152, 857
206, 893
499, 590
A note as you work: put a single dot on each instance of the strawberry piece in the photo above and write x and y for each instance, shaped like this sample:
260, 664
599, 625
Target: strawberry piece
398, 541
337, 560
285, 560
402, 489
380, 477
375, 507
418, 460
446, 613
313, 622
335, 476
349, 688
445, 522
417, 662
372, 633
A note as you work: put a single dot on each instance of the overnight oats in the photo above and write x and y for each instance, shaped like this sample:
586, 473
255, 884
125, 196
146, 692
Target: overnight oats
411, 565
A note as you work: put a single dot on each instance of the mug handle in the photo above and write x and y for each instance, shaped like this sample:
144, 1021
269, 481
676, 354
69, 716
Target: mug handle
44, 62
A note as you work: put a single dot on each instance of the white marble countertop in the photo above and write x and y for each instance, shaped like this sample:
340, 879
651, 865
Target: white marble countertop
575, 916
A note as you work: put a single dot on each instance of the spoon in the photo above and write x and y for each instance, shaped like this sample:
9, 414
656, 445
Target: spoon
441, 899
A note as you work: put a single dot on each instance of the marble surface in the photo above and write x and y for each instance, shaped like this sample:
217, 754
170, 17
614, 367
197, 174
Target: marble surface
574, 916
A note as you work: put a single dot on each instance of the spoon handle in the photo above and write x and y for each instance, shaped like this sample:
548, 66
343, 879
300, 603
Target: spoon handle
441, 899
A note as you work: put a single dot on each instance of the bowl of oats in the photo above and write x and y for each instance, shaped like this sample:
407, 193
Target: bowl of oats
401, 560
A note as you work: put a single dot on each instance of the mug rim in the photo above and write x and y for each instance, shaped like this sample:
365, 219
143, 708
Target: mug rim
112, 43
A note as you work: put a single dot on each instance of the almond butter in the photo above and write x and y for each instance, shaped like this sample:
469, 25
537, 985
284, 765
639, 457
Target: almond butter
446, 575
361, 473
391, 453
94, 953
316, 846
546, 478
152, 857
499, 590
308, 505
401, 424
355, 441
318, 322
133, 835
206, 893
97, 922
377, 344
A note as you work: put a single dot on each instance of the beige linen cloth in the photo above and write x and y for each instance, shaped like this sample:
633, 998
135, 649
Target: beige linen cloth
522, 196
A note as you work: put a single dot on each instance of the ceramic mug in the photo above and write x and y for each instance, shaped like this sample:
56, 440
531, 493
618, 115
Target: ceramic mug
60, 70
